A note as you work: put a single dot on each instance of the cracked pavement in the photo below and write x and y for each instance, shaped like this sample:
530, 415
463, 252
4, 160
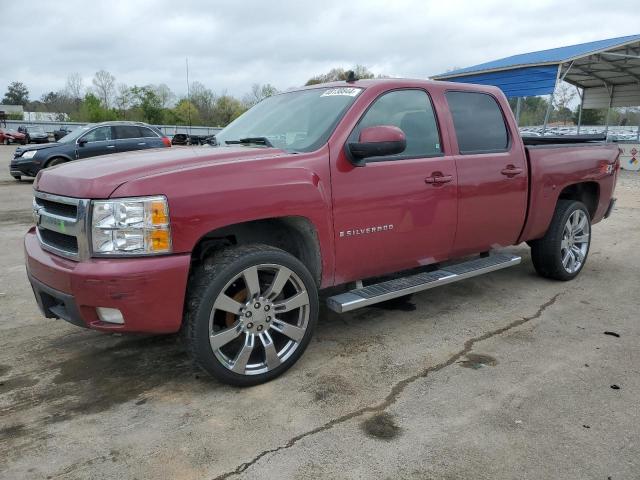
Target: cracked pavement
503, 376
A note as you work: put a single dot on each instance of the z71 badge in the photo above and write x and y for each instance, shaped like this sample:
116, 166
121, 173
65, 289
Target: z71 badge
365, 230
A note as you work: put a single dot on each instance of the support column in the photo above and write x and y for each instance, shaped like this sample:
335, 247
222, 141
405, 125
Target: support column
548, 113
606, 128
518, 101
581, 94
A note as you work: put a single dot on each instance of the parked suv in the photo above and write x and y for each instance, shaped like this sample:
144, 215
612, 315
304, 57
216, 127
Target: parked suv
84, 142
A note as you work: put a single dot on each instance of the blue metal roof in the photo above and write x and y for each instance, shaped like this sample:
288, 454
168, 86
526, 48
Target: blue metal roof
542, 57
520, 82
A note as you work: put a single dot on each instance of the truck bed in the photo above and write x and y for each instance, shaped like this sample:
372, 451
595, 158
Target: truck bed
554, 167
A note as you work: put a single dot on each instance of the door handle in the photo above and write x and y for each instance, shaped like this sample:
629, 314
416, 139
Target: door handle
142, 143
438, 178
111, 146
511, 171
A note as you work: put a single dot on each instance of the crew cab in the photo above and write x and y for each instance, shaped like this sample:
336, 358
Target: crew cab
336, 184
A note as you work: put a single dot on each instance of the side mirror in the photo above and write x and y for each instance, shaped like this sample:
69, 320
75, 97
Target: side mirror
82, 141
377, 141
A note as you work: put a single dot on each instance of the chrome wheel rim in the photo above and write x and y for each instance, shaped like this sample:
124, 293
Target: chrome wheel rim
575, 241
259, 319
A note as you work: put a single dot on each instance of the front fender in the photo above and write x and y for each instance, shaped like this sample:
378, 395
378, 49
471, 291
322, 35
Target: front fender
208, 198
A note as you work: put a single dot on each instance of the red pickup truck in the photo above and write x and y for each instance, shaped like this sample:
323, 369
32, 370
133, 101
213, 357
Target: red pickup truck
336, 184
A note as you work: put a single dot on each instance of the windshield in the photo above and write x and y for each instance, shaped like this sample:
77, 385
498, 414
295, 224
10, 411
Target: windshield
71, 137
298, 121
36, 129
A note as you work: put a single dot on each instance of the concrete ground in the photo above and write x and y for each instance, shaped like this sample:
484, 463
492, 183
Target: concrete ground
504, 376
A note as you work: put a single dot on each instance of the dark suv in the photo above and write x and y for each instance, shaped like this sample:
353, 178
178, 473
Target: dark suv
88, 141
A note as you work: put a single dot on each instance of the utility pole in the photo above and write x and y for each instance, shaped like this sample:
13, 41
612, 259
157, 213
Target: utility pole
188, 96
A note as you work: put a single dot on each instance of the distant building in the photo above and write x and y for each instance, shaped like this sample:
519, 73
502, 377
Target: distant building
9, 109
45, 117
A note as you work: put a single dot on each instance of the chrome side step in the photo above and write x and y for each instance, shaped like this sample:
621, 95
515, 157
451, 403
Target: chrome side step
387, 290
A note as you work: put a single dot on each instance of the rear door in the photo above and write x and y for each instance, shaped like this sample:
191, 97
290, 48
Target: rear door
389, 215
128, 138
150, 139
492, 174
99, 141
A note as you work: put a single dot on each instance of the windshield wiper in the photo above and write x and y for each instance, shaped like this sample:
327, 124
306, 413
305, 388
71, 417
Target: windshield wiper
246, 141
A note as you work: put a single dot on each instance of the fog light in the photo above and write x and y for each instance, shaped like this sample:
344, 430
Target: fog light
110, 315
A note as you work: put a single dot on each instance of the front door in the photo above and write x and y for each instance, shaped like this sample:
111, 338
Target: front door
492, 174
389, 215
99, 141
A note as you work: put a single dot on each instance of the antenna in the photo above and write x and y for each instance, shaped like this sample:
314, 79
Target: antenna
188, 95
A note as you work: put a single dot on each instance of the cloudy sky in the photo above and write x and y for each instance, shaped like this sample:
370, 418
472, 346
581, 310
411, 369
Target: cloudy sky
233, 44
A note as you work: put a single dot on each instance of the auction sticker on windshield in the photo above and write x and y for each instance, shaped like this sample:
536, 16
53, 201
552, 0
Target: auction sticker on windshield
344, 91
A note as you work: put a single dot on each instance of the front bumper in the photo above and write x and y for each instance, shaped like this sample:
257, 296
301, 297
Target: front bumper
149, 292
28, 167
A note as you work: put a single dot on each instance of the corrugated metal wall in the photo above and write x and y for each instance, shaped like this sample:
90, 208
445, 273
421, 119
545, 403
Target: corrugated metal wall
623, 96
519, 82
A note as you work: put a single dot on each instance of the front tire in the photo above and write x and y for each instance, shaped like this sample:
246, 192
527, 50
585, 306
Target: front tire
562, 252
55, 161
250, 315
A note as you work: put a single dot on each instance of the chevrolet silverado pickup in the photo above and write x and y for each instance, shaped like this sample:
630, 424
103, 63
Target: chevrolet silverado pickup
385, 187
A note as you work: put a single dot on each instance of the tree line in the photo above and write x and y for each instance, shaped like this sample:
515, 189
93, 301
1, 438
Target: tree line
106, 99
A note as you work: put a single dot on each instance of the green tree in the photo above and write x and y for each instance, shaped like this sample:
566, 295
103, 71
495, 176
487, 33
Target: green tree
339, 73
149, 103
184, 113
590, 116
17, 94
226, 110
91, 110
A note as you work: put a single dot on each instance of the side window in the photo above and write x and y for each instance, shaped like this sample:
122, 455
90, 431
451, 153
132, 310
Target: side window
478, 122
100, 134
411, 111
147, 133
127, 131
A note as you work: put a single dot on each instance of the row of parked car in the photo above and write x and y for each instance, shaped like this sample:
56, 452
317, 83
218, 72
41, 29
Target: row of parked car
36, 134
84, 142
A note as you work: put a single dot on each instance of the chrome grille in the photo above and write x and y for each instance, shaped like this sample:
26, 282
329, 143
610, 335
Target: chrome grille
61, 224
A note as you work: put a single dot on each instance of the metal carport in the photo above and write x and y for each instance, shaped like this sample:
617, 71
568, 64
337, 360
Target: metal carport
605, 72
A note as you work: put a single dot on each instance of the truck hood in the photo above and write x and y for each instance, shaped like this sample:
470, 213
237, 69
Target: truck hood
98, 177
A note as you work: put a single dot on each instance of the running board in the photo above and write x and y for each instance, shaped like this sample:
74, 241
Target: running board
380, 292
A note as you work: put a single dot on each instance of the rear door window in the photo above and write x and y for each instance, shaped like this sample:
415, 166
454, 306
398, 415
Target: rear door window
147, 133
124, 132
478, 122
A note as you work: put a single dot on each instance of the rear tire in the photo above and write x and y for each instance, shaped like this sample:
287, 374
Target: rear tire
562, 252
250, 314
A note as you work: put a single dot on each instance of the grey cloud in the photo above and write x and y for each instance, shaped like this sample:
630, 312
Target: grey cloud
232, 44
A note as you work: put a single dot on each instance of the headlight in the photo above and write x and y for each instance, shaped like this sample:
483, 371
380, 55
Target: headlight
29, 154
130, 226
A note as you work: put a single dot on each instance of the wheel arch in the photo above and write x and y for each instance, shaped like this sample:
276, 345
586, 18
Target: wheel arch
586, 192
66, 158
294, 234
